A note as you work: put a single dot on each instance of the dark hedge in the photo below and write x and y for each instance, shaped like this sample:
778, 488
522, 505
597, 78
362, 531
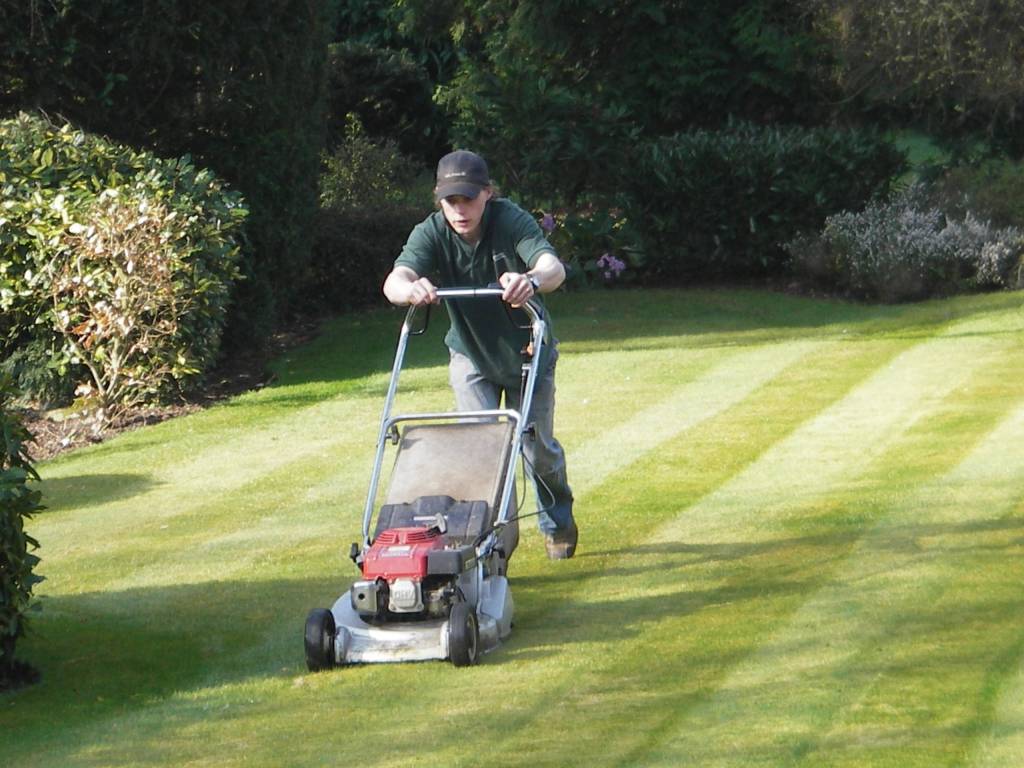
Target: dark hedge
720, 204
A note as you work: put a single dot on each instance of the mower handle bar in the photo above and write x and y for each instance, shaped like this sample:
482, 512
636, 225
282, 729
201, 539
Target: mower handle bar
529, 307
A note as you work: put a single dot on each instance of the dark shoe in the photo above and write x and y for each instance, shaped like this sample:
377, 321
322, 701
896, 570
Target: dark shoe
561, 544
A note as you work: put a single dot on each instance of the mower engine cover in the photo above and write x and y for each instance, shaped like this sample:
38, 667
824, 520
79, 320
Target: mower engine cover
401, 553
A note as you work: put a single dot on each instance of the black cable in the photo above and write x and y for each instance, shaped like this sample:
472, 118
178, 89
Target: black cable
519, 516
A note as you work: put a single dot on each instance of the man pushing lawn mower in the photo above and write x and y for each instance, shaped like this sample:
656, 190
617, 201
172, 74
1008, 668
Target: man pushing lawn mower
474, 239
434, 556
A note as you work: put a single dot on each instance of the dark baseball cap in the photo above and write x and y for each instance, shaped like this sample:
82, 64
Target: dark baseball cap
461, 173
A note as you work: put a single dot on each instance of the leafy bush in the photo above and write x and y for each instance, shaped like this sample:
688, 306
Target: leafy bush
128, 303
113, 259
362, 171
906, 249
37, 368
719, 204
354, 250
18, 502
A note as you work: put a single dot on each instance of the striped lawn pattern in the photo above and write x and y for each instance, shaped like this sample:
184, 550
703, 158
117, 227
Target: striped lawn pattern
802, 538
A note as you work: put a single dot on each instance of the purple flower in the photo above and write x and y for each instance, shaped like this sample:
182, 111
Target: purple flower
611, 266
547, 223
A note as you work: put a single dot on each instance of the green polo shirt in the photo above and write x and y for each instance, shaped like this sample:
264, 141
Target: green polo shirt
511, 241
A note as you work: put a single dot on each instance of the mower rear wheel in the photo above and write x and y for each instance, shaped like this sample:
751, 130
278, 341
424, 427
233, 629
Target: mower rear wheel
463, 636
320, 632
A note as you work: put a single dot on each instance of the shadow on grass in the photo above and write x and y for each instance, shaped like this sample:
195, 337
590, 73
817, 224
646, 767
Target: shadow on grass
895, 537
104, 652
91, 490
642, 559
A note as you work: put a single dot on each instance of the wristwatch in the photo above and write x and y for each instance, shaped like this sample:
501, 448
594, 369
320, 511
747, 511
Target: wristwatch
534, 282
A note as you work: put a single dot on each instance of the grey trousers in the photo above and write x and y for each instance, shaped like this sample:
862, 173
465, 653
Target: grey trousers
545, 458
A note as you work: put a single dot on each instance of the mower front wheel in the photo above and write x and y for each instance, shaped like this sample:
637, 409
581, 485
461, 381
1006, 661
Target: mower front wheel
320, 632
463, 636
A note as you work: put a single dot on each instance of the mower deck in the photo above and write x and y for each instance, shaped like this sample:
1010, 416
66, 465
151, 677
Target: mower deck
422, 640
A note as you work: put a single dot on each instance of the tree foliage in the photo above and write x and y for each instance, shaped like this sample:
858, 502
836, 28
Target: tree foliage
239, 85
389, 93
386, 61
956, 67
557, 92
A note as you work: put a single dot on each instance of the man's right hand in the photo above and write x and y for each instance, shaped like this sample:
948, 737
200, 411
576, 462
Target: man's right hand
422, 292
403, 287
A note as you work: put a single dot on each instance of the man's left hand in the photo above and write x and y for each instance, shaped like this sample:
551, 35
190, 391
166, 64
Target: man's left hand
518, 288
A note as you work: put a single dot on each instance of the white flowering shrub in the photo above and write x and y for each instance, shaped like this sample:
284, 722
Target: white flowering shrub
1000, 264
905, 249
121, 298
116, 267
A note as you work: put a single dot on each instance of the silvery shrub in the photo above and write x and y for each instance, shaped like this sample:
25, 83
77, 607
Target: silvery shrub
906, 248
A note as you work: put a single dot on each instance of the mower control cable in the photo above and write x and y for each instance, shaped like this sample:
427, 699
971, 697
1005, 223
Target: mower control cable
498, 526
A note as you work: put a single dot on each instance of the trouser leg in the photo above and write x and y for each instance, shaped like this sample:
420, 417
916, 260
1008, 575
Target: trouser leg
472, 391
545, 457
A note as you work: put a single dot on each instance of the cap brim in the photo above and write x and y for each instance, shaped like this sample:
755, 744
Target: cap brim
460, 188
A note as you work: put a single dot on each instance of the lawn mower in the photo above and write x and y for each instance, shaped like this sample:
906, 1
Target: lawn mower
433, 560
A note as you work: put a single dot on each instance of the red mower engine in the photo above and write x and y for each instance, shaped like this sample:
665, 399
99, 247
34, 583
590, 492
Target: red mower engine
401, 553
407, 571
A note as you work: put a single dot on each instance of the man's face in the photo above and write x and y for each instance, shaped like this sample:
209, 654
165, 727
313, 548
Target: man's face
464, 214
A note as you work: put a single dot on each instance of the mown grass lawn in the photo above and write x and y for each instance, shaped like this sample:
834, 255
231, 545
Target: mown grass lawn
802, 544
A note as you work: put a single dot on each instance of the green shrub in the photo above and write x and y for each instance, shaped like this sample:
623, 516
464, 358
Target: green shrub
38, 368
131, 306
714, 204
906, 249
994, 190
354, 250
81, 220
18, 502
362, 171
